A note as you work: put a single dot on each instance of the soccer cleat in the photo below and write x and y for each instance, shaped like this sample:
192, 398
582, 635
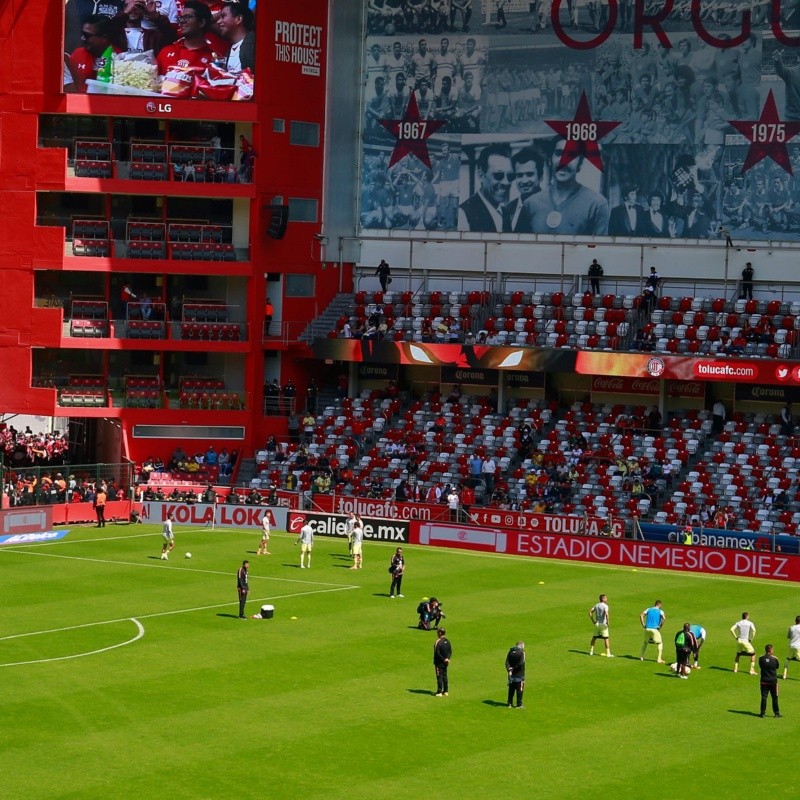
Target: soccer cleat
591, 652
520, 706
242, 616
784, 674
778, 715
641, 659
684, 677
610, 655
761, 715
510, 706
438, 694
736, 669
401, 595
391, 597
445, 694
753, 672
661, 661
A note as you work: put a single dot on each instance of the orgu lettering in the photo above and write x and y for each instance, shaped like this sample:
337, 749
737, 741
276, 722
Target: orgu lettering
653, 21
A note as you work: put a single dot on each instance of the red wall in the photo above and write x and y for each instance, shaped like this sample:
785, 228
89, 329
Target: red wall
30, 77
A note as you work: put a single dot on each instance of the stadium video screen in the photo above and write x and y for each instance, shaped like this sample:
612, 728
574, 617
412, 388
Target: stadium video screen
170, 49
582, 118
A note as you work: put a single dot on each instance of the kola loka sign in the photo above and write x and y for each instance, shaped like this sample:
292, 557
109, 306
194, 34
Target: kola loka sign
220, 515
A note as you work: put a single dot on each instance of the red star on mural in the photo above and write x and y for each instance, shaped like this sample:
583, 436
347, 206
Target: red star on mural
412, 134
768, 136
582, 134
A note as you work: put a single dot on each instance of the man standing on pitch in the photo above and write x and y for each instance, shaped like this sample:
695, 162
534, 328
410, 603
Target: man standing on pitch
264, 543
442, 653
744, 632
100, 507
306, 540
515, 666
169, 538
652, 620
599, 616
794, 645
358, 543
243, 586
397, 568
769, 665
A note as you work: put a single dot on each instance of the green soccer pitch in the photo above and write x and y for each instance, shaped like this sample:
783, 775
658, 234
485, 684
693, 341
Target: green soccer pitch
124, 676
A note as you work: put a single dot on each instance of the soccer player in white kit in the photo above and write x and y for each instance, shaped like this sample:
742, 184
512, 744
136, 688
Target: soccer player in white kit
265, 530
599, 615
169, 538
794, 646
744, 632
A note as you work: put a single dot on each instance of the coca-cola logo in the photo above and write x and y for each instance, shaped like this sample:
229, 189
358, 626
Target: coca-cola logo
646, 387
610, 384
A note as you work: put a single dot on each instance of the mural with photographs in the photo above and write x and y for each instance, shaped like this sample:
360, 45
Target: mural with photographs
565, 117
175, 49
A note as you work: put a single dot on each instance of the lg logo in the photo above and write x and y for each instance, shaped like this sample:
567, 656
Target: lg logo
160, 108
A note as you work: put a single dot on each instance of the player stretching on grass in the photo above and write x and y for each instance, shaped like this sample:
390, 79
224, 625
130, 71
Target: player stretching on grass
599, 615
169, 538
652, 620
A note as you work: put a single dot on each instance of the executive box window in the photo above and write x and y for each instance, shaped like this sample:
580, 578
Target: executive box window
305, 134
302, 210
299, 285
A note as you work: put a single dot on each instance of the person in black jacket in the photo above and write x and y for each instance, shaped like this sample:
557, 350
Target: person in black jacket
747, 282
768, 665
685, 645
595, 273
243, 586
515, 666
384, 273
442, 653
397, 567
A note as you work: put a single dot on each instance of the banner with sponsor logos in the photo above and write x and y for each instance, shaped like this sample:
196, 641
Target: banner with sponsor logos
602, 119
760, 393
618, 552
470, 377
682, 369
549, 523
714, 537
383, 530
649, 386
220, 515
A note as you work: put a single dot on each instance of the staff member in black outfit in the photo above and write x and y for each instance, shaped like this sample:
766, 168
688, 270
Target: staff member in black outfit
442, 652
397, 567
768, 666
515, 666
747, 282
384, 273
595, 273
243, 586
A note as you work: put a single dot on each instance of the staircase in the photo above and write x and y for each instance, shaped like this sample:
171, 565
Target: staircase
247, 471
341, 305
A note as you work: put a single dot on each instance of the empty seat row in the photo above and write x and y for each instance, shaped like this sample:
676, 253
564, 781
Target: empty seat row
74, 397
89, 309
93, 169
205, 312
149, 172
91, 229
146, 231
96, 248
144, 329
97, 151
152, 153
88, 328
218, 401
146, 249
143, 398
194, 251
214, 332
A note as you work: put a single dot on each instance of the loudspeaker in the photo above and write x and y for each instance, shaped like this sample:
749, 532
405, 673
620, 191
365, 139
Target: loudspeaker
278, 220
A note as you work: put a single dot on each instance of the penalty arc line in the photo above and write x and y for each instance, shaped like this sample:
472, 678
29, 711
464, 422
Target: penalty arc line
139, 635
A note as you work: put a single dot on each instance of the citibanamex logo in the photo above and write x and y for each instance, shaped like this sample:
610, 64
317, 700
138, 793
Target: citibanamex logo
655, 367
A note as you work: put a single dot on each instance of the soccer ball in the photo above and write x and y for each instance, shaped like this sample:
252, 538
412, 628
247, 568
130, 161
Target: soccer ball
188, 555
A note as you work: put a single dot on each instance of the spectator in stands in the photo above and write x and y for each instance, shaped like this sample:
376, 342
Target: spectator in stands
139, 37
650, 290
488, 470
178, 457
288, 396
192, 49
253, 498
595, 273
453, 503
787, 420
272, 394
293, 424
236, 24
747, 282
211, 457
309, 427
400, 494
384, 273
765, 329
269, 310
718, 417
376, 488
312, 395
